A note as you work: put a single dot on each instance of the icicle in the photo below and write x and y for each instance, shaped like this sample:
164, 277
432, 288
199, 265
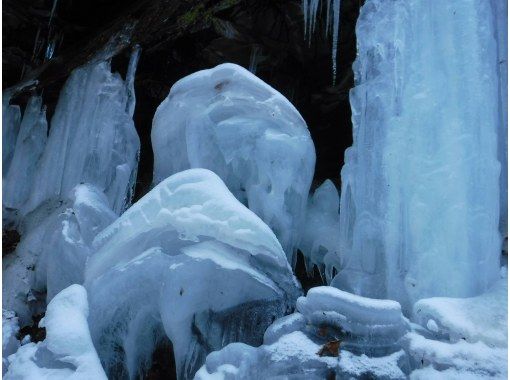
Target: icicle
254, 59
130, 80
336, 29
50, 49
305, 16
53, 8
314, 5
328, 18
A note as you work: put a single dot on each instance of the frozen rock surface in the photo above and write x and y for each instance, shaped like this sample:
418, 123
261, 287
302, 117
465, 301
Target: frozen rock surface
420, 192
229, 121
320, 238
92, 139
54, 247
67, 352
29, 147
188, 263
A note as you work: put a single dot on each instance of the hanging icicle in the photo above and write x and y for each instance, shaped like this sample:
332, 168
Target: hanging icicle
331, 24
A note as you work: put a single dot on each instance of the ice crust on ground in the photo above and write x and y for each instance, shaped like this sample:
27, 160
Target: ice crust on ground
420, 191
292, 343
22, 168
188, 263
67, 351
229, 121
56, 243
92, 140
320, 238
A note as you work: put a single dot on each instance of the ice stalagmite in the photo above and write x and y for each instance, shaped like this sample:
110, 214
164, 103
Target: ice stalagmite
420, 185
92, 139
29, 147
229, 121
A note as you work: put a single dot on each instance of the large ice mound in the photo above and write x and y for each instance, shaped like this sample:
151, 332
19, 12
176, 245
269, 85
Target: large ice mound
229, 121
67, 352
188, 263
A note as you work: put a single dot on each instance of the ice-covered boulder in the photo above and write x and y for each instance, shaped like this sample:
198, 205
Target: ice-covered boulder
320, 241
10, 342
11, 117
229, 121
67, 351
92, 139
332, 334
188, 263
28, 149
420, 185
54, 247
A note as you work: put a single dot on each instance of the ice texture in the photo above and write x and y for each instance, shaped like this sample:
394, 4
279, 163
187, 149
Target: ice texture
292, 343
186, 263
10, 342
420, 185
229, 121
320, 238
55, 244
29, 147
11, 117
67, 351
92, 139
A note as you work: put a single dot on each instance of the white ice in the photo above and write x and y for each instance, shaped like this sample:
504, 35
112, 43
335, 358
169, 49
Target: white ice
11, 118
229, 121
10, 342
420, 185
67, 351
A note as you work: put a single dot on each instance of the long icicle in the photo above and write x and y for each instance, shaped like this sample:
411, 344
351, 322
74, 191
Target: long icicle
336, 30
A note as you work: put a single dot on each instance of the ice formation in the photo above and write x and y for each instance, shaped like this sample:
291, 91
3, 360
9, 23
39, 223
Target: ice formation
54, 248
11, 116
92, 139
229, 121
311, 12
188, 263
360, 326
67, 352
28, 149
320, 238
420, 194
10, 342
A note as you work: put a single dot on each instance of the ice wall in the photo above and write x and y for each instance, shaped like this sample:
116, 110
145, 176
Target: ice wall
92, 139
420, 185
11, 116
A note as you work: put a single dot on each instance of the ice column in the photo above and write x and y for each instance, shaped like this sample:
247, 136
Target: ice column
420, 185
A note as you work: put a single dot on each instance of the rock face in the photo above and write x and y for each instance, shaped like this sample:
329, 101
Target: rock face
187, 263
227, 120
419, 200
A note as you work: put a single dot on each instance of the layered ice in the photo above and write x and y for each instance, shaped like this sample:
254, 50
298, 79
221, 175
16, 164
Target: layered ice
67, 351
320, 238
92, 139
296, 345
186, 263
55, 244
420, 185
229, 121
28, 149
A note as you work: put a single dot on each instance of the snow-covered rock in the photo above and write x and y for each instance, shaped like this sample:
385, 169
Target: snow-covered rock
420, 185
188, 263
29, 147
54, 247
92, 139
67, 351
320, 241
229, 121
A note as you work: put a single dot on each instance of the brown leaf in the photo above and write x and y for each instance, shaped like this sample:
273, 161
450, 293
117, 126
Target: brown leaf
331, 348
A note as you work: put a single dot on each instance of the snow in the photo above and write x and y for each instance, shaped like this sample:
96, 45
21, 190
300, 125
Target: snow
10, 342
92, 139
320, 238
420, 192
29, 147
229, 121
188, 263
67, 352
